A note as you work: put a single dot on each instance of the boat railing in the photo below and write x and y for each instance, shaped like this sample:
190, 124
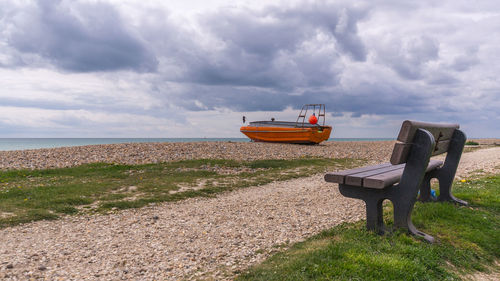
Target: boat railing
282, 124
301, 119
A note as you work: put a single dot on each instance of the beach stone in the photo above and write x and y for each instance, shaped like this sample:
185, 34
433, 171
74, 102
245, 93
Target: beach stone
144, 153
198, 238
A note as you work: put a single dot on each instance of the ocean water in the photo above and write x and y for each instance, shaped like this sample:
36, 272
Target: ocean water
35, 143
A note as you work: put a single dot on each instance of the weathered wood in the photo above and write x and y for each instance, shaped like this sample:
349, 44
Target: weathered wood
441, 147
383, 180
357, 179
442, 134
433, 164
400, 153
401, 150
386, 179
438, 130
339, 177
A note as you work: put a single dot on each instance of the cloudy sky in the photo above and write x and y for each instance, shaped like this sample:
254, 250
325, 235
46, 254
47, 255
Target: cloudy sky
193, 68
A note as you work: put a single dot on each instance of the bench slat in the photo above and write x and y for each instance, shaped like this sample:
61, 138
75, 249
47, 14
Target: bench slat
357, 179
401, 151
339, 177
383, 180
386, 179
441, 147
442, 135
408, 129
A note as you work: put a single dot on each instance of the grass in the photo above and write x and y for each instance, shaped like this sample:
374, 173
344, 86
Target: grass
471, 143
29, 195
469, 240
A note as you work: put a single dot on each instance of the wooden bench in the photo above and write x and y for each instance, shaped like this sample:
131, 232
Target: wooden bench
410, 170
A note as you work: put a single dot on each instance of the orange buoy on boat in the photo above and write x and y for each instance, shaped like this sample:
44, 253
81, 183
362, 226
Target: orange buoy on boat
313, 120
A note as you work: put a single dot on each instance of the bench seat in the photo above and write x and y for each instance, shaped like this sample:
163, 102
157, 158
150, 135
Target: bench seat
377, 176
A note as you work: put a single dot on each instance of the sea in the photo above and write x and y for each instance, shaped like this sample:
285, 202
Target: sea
7, 144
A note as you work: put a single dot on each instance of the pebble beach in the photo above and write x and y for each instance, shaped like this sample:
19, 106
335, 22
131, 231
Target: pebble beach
195, 239
142, 153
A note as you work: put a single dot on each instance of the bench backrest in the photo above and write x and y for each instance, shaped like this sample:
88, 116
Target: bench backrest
442, 135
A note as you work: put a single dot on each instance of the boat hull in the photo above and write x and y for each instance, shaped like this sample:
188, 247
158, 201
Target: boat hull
310, 135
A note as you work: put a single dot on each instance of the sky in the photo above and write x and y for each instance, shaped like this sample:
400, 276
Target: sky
193, 68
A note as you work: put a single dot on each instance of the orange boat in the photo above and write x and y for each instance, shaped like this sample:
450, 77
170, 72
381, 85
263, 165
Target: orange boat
291, 132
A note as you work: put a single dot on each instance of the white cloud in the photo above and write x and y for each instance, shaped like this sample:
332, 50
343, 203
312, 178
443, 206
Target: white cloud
373, 63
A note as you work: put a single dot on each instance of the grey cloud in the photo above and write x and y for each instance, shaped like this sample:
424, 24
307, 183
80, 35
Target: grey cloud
272, 59
201, 97
252, 33
369, 98
337, 20
279, 48
465, 61
408, 57
441, 78
105, 104
365, 98
285, 71
79, 37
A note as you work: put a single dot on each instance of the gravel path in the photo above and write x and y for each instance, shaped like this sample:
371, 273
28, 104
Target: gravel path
185, 239
198, 238
479, 162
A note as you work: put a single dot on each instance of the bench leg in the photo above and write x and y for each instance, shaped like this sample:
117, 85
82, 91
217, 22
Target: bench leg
446, 174
414, 231
425, 189
373, 199
402, 219
374, 216
445, 182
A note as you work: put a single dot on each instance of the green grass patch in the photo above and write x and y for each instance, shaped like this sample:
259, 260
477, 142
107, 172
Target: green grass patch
27, 195
471, 143
468, 240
